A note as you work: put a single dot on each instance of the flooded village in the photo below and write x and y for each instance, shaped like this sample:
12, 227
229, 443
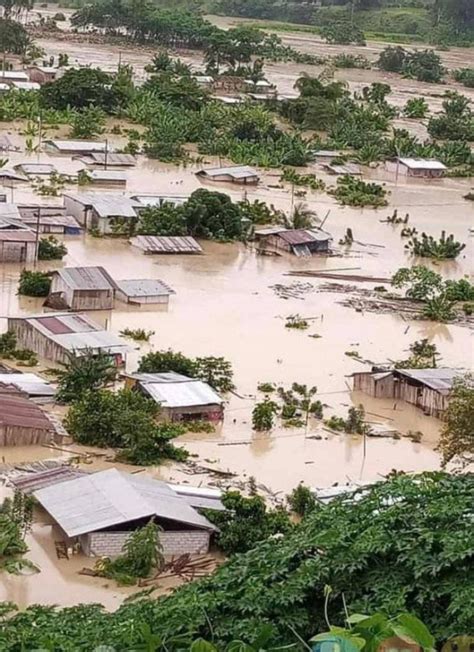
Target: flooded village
282, 305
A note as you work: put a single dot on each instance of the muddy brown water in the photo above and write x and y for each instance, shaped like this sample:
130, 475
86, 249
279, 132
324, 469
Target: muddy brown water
225, 305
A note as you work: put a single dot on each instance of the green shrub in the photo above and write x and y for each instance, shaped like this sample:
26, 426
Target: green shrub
34, 284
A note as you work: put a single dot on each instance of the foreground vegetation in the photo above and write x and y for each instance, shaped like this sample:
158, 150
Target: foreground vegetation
392, 550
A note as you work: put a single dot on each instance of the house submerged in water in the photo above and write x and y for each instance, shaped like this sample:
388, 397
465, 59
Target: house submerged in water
427, 389
300, 242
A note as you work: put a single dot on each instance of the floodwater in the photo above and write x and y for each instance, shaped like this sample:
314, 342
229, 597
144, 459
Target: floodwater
225, 305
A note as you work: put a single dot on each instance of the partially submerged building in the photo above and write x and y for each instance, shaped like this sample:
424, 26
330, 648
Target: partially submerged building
143, 292
17, 245
416, 167
241, 174
31, 385
101, 211
10, 76
300, 242
108, 160
82, 288
427, 389
180, 398
22, 422
75, 147
101, 510
44, 74
343, 168
160, 244
48, 219
58, 336
112, 178
36, 169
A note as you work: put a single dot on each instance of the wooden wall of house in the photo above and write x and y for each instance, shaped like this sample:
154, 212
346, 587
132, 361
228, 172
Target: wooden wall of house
383, 388
201, 412
21, 436
91, 299
17, 252
30, 338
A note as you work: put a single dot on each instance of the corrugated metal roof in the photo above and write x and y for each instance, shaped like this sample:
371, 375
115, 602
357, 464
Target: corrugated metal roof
87, 278
236, 172
9, 211
438, 379
17, 235
76, 333
100, 500
31, 384
30, 482
13, 74
185, 392
112, 158
26, 85
144, 287
51, 220
85, 146
159, 200
304, 236
18, 411
422, 164
108, 175
36, 168
166, 244
346, 168
107, 205
12, 175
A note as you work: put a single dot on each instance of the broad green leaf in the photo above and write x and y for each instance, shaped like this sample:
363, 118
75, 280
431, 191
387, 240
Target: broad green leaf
200, 645
407, 625
356, 618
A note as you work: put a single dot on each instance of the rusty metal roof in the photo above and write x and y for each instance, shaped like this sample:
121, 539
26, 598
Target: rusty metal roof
155, 244
87, 278
303, 236
17, 410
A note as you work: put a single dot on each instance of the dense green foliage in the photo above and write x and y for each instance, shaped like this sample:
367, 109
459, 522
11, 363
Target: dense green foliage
88, 123
51, 249
423, 65
16, 517
351, 191
426, 246
301, 500
84, 373
9, 350
457, 436
393, 550
14, 38
124, 420
263, 414
246, 521
455, 122
422, 356
465, 76
34, 284
215, 371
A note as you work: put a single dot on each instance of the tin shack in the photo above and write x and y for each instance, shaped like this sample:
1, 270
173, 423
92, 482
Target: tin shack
82, 288
143, 291
103, 212
58, 336
22, 422
180, 398
416, 167
427, 389
299, 242
241, 174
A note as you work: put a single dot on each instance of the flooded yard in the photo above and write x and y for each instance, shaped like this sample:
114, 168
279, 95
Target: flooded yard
226, 305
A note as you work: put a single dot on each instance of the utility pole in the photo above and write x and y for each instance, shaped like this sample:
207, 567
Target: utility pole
38, 222
40, 134
106, 153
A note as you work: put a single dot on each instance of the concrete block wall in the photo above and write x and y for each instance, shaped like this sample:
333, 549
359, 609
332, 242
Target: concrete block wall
110, 544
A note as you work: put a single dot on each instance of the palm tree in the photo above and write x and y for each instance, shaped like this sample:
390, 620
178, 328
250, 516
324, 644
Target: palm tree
302, 217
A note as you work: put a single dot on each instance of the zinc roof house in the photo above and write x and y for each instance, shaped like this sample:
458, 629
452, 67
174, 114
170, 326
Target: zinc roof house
36, 169
75, 147
51, 219
109, 160
101, 211
181, 398
300, 242
143, 291
10, 76
30, 384
83, 288
102, 177
100, 510
58, 336
242, 174
22, 422
161, 244
427, 389
417, 167
43, 74
17, 243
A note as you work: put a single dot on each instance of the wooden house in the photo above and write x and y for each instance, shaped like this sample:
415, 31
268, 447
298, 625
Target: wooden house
180, 398
416, 167
22, 422
75, 147
58, 336
101, 211
17, 245
427, 389
44, 74
241, 174
143, 292
300, 242
82, 288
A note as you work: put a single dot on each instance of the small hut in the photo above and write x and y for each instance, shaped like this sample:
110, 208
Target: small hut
417, 167
83, 288
180, 398
22, 422
241, 174
143, 292
17, 245
299, 242
161, 244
